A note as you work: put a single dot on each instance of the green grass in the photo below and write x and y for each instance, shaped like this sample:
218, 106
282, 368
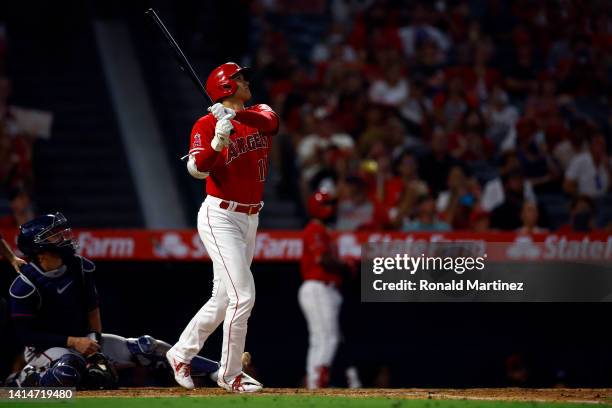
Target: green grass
271, 401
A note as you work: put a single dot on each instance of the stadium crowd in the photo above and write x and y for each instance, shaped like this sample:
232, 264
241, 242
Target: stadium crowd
448, 114
16, 171
422, 115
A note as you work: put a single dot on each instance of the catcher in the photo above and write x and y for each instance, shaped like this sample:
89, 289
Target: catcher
54, 307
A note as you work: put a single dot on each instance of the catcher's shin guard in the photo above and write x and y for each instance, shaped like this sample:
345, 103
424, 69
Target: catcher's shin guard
154, 350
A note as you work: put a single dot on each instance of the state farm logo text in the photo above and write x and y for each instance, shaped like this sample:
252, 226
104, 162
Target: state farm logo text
557, 247
115, 247
272, 248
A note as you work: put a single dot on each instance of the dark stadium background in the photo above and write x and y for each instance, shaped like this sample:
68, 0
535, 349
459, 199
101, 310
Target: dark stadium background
51, 60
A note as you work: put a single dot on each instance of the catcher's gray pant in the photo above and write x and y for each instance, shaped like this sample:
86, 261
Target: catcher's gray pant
114, 347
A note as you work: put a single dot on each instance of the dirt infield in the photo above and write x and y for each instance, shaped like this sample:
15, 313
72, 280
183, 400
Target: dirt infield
590, 395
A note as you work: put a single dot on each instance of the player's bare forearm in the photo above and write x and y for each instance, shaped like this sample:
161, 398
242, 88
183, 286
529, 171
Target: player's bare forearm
95, 321
83, 345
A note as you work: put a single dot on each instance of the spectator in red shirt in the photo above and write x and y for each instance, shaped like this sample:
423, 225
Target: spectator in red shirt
470, 144
543, 100
480, 220
582, 215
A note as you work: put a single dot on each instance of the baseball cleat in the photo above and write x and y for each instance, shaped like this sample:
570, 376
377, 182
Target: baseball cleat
352, 377
243, 383
182, 371
245, 359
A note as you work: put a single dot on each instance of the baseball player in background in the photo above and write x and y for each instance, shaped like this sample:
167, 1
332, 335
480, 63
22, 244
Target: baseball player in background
229, 149
54, 307
319, 296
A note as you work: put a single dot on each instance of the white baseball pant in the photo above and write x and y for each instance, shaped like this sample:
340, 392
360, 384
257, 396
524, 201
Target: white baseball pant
229, 238
320, 303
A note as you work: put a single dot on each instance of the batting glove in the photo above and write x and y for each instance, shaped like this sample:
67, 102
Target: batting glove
219, 111
223, 129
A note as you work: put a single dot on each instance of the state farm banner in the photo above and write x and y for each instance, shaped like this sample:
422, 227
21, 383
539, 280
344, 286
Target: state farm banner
286, 246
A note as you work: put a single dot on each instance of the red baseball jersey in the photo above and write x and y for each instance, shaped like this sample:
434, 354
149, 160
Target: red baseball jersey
237, 172
316, 242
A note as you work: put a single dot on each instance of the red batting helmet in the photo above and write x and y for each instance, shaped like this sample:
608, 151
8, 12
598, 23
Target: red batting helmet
321, 205
220, 83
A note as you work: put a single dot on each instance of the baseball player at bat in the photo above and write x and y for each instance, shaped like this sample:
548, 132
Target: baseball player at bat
54, 308
229, 149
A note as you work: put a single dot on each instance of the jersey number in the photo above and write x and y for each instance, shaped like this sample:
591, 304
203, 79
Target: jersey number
262, 164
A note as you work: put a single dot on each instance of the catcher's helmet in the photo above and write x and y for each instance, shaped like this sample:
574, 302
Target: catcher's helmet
46, 233
220, 83
322, 205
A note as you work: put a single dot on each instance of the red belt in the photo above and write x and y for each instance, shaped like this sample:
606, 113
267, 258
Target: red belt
251, 209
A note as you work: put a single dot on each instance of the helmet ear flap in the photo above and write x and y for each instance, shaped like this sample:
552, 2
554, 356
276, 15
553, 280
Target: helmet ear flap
227, 88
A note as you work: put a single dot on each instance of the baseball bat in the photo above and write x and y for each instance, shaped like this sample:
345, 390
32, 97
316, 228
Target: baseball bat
178, 53
7, 253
